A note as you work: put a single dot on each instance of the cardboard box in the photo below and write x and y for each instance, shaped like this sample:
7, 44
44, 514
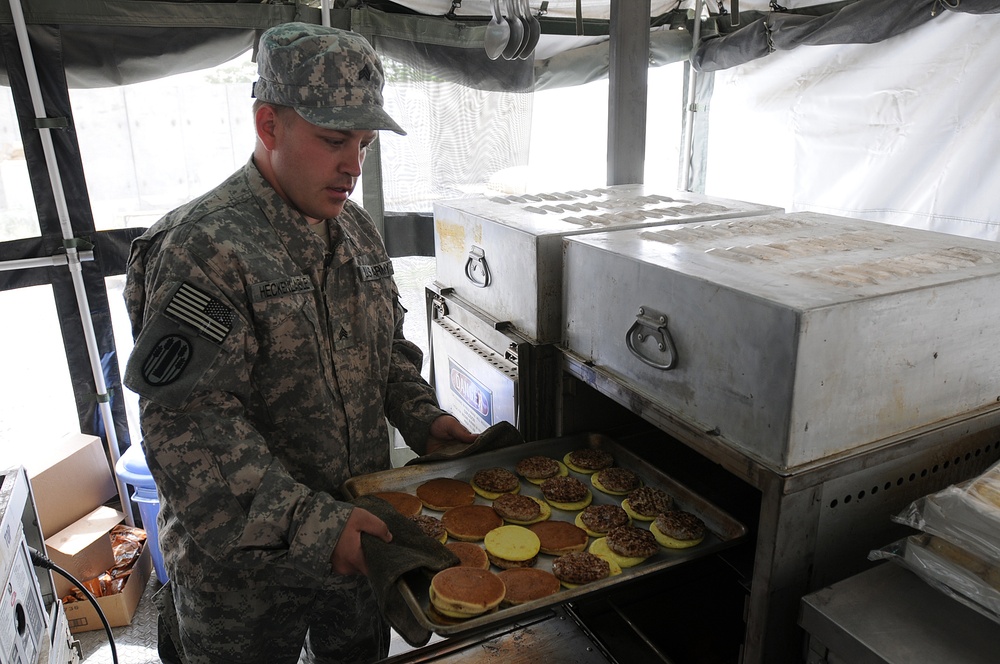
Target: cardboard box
119, 608
69, 478
84, 548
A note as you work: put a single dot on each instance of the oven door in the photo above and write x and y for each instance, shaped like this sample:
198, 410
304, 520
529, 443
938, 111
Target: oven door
484, 372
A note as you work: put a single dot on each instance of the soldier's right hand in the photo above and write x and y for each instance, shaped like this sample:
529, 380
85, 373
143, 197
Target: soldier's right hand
347, 556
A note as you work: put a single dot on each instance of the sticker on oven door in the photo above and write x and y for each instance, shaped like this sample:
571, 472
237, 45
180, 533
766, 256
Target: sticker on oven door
470, 392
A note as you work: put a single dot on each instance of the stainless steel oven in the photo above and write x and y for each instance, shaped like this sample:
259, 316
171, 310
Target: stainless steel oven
810, 375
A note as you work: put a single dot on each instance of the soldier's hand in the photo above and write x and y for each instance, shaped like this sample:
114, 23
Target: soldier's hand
447, 434
348, 557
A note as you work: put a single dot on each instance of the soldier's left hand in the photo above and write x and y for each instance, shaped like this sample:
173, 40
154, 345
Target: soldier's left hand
448, 434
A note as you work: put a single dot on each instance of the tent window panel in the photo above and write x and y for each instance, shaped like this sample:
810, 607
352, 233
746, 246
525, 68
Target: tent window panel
149, 147
18, 218
457, 138
36, 394
664, 125
569, 141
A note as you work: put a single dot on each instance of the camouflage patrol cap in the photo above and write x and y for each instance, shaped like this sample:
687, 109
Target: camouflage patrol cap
331, 77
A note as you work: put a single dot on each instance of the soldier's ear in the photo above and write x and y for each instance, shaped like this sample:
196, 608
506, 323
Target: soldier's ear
267, 124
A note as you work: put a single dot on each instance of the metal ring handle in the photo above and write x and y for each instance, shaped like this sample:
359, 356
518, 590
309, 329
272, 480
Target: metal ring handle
652, 327
476, 269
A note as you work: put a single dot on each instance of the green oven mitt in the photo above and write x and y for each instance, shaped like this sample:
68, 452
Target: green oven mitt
411, 557
498, 436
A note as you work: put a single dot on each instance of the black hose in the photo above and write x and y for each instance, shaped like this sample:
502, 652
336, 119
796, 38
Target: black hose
39, 559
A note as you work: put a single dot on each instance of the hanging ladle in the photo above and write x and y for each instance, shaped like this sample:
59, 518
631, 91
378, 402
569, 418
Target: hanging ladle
533, 29
516, 39
497, 33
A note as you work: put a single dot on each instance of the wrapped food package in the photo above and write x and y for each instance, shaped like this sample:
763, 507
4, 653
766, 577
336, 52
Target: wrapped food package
127, 543
967, 514
958, 548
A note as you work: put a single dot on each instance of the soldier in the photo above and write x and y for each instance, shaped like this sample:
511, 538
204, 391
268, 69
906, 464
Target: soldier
269, 353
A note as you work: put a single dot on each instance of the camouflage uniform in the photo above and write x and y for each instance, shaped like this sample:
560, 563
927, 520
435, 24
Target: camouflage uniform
267, 361
266, 365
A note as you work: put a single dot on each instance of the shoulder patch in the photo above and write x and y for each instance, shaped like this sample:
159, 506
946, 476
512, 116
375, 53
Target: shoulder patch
209, 316
167, 360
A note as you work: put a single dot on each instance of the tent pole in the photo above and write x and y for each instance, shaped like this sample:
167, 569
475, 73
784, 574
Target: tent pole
685, 175
50, 261
72, 255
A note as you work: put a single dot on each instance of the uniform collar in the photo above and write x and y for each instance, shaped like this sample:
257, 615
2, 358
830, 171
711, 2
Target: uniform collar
302, 243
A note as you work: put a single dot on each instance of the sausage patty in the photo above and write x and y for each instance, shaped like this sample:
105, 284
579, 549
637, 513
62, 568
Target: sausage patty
537, 467
632, 542
649, 501
680, 525
431, 526
580, 567
516, 507
564, 490
590, 460
603, 518
496, 480
616, 480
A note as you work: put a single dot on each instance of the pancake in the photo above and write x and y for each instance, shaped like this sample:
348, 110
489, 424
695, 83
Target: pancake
470, 523
442, 493
646, 502
405, 503
511, 546
588, 461
521, 510
526, 584
537, 469
490, 483
678, 529
615, 481
566, 493
469, 554
558, 538
430, 526
465, 592
628, 545
581, 567
598, 520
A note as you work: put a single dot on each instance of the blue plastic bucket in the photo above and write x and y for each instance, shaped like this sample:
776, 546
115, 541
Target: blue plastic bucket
132, 469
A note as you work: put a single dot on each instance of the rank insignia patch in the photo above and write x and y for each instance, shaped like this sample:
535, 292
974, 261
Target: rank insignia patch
167, 360
209, 316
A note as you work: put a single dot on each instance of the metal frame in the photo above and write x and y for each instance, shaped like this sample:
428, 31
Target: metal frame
818, 521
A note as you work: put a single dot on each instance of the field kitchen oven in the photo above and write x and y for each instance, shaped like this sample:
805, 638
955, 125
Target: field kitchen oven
495, 308
803, 377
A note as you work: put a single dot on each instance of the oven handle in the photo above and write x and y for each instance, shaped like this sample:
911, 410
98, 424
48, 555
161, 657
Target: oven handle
476, 269
649, 323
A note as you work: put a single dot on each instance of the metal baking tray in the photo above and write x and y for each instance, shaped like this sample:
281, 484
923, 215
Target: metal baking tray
722, 531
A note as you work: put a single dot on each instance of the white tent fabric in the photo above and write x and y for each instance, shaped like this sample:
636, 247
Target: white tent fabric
904, 131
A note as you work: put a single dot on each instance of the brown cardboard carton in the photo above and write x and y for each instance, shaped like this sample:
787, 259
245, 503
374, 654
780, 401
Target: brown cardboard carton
118, 608
69, 478
83, 548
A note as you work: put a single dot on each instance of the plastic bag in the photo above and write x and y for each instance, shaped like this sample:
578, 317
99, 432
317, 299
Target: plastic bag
967, 514
963, 576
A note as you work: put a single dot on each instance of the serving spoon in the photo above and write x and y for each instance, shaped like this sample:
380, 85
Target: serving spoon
497, 33
533, 30
516, 39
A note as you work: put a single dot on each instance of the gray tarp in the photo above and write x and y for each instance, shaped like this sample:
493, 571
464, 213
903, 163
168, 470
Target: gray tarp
860, 22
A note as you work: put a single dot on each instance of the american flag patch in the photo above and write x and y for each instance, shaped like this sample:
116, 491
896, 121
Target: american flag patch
210, 317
